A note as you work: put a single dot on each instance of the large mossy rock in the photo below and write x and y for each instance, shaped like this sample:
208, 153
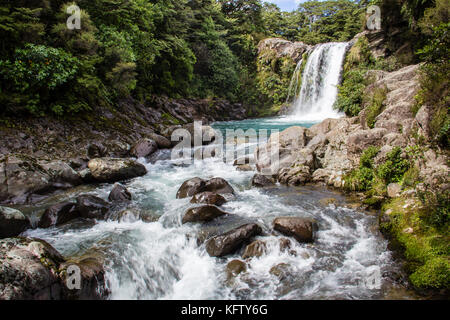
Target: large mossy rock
115, 169
12, 222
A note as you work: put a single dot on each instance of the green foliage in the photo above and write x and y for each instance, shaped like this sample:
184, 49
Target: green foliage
39, 67
315, 21
366, 160
363, 178
375, 105
351, 91
425, 246
274, 76
435, 273
394, 168
439, 204
36, 71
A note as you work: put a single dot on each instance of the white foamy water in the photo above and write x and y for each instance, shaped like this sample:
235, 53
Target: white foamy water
162, 259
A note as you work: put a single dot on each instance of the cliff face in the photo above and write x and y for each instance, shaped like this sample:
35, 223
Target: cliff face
284, 48
276, 63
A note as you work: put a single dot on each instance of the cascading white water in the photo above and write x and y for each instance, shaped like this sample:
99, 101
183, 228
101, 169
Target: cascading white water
320, 79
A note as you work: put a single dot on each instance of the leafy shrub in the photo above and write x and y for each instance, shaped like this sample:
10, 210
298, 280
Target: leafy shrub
351, 92
367, 157
394, 168
39, 67
34, 72
363, 178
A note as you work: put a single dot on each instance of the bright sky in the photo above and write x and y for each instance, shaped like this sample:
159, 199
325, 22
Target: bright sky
286, 5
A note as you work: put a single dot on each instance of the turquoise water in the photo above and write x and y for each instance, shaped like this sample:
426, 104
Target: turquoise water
270, 124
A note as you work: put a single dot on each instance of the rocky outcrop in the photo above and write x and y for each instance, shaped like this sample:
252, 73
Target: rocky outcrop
111, 133
113, 170
231, 241
23, 177
284, 48
31, 269
234, 268
219, 186
327, 151
202, 214
303, 230
12, 222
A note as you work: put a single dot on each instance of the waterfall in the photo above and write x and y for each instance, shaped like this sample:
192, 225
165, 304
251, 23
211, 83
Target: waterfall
319, 81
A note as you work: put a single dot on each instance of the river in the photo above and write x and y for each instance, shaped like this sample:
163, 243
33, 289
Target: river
161, 258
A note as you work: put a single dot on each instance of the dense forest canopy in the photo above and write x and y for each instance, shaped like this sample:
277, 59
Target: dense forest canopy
178, 48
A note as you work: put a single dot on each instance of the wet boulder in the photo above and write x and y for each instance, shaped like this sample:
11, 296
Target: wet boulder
231, 241
36, 271
144, 148
59, 214
219, 186
281, 270
302, 229
209, 198
115, 169
191, 187
119, 194
234, 268
12, 222
261, 181
255, 249
92, 207
202, 214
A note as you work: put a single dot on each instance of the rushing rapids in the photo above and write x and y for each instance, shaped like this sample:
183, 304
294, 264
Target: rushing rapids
319, 80
162, 258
